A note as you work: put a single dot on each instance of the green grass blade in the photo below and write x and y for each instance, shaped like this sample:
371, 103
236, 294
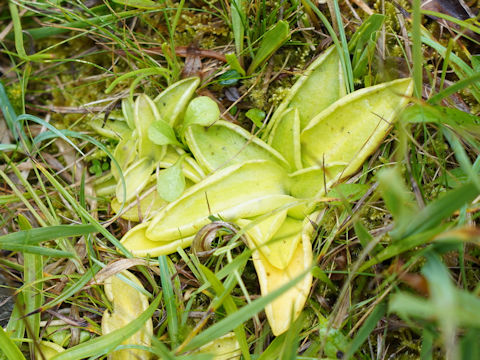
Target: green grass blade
344, 46
229, 305
38, 235
338, 45
17, 30
405, 244
73, 289
237, 10
457, 86
417, 53
104, 20
107, 343
439, 210
169, 299
271, 42
236, 319
366, 329
8, 347
38, 250
32, 278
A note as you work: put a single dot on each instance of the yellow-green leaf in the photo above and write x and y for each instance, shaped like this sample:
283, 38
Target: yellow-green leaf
128, 304
285, 137
224, 144
171, 103
352, 128
137, 176
239, 191
138, 244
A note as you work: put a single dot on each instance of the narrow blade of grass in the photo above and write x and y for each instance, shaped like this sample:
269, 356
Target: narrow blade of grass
366, 329
38, 235
8, 347
32, 278
230, 307
271, 42
107, 343
439, 210
169, 299
236, 319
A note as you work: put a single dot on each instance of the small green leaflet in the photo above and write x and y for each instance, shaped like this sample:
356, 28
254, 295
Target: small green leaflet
171, 181
234, 63
257, 116
161, 133
201, 110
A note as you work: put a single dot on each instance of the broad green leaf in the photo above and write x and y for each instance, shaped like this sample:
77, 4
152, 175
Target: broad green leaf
145, 114
242, 190
106, 343
285, 137
137, 176
172, 102
257, 116
161, 133
128, 305
352, 128
171, 182
224, 144
319, 86
201, 111
238, 14
136, 241
271, 42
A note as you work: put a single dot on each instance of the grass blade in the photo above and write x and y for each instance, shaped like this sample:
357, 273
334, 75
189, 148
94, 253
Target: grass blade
38, 235
236, 319
107, 343
271, 42
8, 347
437, 211
229, 305
169, 299
366, 329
